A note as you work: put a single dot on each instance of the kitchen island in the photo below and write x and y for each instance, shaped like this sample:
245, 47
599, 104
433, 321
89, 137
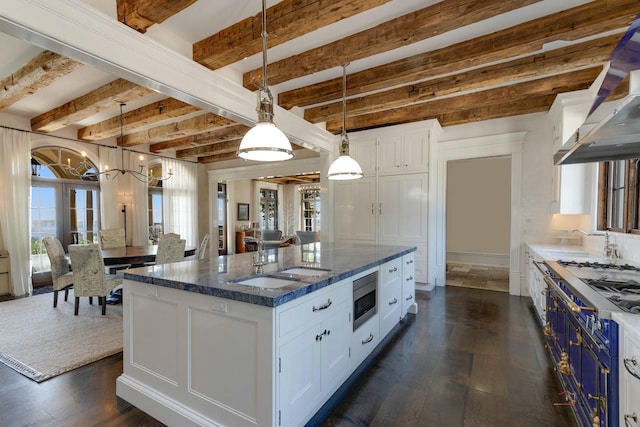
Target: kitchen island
211, 343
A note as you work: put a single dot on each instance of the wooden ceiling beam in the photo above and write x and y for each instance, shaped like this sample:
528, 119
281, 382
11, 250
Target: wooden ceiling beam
413, 27
149, 114
187, 127
285, 21
38, 73
141, 14
534, 66
218, 135
568, 82
579, 22
105, 97
211, 149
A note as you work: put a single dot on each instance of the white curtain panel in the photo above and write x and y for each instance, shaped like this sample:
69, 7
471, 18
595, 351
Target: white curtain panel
138, 227
109, 208
180, 200
15, 206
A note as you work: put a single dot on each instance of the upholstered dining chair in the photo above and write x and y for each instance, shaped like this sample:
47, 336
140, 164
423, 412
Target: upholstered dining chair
170, 250
112, 238
202, 250
271, 235
90, 279
61, 275
308, 236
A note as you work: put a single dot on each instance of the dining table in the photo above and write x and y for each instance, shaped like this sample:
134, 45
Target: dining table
135, 255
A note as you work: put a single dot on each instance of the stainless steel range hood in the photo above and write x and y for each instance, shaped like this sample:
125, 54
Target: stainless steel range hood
617, 137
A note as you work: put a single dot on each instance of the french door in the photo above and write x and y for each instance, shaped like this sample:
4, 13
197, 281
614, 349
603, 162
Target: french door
68, 211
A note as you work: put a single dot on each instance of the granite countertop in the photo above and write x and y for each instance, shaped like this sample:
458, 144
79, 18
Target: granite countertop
216, 276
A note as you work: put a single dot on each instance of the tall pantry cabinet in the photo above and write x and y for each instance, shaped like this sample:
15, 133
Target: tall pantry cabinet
389, 205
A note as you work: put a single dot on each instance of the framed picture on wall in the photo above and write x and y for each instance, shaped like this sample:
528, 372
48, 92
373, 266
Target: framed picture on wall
243, 211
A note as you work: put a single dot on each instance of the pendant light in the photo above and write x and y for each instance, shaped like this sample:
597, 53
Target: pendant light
344, 167
265, 142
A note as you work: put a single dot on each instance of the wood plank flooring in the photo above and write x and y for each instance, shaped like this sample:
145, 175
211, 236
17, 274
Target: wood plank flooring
469, 358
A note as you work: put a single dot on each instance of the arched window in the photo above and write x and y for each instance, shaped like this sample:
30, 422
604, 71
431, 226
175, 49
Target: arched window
65, 195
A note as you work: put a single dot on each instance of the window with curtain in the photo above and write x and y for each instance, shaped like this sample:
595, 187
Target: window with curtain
310, 206
619, 196
156, 225
64, 201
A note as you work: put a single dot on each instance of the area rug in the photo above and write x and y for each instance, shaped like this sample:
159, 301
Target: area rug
40, 341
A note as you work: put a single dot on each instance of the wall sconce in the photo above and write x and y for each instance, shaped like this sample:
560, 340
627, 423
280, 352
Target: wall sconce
125, 199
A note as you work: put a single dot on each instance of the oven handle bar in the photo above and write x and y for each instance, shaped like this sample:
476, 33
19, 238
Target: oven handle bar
547, 278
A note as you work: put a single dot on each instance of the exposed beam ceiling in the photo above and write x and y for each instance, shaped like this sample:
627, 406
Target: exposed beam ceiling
454, 61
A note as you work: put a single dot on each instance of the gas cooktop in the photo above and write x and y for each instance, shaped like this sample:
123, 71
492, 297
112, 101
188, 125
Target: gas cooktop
619, 283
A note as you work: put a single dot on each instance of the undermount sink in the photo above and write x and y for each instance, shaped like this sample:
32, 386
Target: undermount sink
267, 282
306, 271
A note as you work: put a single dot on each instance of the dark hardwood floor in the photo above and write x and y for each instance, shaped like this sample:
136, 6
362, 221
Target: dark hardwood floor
469, 358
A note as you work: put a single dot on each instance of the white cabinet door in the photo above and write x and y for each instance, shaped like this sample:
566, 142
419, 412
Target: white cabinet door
629, 382
336, 338
402, 209
390, 301
390, 208
364, 340
415, 153
403, 154
300, 376
364, 152
408, 285
355, 215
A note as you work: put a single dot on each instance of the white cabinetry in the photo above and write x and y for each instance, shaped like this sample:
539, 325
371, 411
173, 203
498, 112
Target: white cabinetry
364, 340
313, 350
390, 205
536, 284
408, 285
390, 300
629, 375
400, 154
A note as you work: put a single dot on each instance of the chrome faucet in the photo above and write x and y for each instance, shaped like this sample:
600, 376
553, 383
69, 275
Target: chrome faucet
258, 259
610, 250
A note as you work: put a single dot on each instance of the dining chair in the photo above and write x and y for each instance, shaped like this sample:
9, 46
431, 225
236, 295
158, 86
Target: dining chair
308, 236
90, 279
271, 234
170, 250
61, 275
203, 247
112, 238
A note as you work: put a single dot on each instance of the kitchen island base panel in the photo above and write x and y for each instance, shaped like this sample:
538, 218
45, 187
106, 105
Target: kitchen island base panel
194, 376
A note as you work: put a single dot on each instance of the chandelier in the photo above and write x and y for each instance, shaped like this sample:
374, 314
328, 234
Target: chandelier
265, 142
344, 167
84, 167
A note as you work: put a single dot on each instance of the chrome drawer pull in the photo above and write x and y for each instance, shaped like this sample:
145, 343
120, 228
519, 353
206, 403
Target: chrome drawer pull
368, 340
630, 365
393, 270
409, 298
628, 418
324, 306
410, 278
394, 301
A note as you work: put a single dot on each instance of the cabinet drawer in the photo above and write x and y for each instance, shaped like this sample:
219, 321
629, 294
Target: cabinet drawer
364, 340
391, 271
4, 265
314, 307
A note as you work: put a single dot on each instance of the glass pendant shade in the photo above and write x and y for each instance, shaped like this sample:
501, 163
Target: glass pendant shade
344, 168
265, 143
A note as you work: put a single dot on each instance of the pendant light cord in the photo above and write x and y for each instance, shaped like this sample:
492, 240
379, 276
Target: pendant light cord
264, 45
344, 98
121, 139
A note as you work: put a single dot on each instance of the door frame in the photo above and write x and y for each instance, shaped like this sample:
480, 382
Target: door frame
509, 144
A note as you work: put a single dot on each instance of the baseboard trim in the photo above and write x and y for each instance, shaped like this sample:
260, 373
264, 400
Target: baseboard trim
493, 260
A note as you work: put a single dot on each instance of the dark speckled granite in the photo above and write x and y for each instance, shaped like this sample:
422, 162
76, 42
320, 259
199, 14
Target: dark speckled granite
216, 276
